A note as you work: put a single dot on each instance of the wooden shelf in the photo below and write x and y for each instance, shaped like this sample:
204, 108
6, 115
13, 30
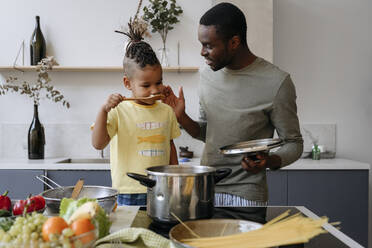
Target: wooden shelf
97, 68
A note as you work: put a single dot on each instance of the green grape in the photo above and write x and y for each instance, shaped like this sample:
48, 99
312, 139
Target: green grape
34, 236
78, 244
67, 232
53, 237
67, 245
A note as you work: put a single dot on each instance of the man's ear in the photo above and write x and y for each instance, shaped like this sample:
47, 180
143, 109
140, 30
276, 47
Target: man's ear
126, 82
234, 42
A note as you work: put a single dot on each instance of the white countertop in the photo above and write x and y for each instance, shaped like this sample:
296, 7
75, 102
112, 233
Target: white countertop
55, 164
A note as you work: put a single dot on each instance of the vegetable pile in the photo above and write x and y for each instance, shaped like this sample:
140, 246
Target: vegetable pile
78, 225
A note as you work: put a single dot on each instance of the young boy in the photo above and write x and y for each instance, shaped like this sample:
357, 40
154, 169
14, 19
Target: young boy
140, 132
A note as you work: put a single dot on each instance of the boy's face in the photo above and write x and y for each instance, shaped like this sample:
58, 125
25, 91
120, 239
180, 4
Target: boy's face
145, 82
215, 50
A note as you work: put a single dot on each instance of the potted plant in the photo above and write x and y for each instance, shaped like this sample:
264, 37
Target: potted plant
40, 89
162, 15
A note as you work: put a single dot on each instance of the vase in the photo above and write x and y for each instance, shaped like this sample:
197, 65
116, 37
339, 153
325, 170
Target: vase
36, 137
164, 56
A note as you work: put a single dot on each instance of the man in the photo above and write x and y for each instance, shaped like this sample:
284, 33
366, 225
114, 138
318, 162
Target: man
242, 98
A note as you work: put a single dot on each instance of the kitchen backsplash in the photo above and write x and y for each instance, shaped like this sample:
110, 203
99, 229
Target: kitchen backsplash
323, 134
74, 140
67, 140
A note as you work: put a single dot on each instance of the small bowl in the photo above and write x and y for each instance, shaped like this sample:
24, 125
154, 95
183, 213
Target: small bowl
211, 228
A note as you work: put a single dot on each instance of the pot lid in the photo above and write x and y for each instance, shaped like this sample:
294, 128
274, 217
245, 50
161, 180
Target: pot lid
252, 146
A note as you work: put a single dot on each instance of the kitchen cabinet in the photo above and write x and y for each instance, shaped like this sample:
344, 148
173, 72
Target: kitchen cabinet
277, 183
20, 183
70, 177
341, 195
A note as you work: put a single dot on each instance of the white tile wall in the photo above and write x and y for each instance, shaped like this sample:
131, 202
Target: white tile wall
61, 140
74, 140
67, 140
323, 134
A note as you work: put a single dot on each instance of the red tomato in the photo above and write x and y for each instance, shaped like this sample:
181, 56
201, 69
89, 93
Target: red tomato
32, 203
5, 203
18, 207
35, 203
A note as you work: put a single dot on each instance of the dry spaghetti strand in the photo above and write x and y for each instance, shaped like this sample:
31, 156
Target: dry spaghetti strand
282, 230
188, 228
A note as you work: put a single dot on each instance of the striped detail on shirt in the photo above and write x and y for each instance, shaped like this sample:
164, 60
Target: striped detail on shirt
228, 200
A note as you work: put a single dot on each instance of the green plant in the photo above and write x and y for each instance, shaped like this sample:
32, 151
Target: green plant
36, 90
162, 15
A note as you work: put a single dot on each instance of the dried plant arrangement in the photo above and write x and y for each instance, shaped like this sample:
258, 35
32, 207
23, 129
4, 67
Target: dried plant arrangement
41, 88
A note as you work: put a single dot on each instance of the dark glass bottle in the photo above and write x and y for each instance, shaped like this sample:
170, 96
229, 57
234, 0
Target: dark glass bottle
36, 137
37, 44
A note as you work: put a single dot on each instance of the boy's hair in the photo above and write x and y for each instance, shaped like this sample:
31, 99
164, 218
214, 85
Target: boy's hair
138, 52
228, 19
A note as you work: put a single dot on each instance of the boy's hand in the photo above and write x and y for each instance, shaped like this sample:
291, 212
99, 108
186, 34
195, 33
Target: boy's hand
177, 103
112, 102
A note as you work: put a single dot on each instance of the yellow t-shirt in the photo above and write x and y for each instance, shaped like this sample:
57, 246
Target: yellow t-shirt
140, 138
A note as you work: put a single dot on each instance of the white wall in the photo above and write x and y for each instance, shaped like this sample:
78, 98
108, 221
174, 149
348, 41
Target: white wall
81, 33
326, 46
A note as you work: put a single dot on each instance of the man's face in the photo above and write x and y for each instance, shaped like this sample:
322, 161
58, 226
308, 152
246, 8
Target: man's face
214, 49
145, 82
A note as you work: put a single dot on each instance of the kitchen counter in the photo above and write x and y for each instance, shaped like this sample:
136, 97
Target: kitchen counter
55, 164
292, 185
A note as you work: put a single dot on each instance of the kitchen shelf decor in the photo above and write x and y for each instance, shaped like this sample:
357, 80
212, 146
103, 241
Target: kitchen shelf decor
36, 91
162, 15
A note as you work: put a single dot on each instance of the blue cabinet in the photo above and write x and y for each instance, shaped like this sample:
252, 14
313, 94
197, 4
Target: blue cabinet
70, 177
341, 195
20, 183
277, 184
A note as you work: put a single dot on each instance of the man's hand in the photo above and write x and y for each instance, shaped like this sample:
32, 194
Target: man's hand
112, 102
260, 162
177, 103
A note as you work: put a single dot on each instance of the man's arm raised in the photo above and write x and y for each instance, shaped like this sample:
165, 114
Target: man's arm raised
178, 105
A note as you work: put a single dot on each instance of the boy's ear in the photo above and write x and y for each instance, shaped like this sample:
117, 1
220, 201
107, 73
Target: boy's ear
126, 82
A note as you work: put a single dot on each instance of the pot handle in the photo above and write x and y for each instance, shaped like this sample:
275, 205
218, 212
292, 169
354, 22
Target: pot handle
144, 180
221, 174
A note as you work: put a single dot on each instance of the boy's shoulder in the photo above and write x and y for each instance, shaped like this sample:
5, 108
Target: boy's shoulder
165, 106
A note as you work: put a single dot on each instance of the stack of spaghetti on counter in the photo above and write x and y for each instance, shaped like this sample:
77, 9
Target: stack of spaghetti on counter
282, 230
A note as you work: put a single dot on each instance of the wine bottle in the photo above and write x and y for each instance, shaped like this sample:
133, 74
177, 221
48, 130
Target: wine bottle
37, 44
36, 137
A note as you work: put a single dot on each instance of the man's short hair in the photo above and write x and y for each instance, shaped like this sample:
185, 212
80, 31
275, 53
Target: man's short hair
228, 19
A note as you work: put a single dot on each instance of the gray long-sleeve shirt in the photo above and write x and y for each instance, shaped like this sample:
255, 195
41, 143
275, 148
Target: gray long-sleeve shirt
242, 105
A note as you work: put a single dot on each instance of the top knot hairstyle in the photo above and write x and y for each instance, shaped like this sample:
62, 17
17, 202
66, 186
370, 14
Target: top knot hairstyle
138, 52
228, 19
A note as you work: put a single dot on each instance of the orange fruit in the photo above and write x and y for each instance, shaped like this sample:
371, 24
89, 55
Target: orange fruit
53, 225
81, 226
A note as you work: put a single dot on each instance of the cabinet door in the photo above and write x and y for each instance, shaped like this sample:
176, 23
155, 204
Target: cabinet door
20, 183
70, 177
277, 184
339, 195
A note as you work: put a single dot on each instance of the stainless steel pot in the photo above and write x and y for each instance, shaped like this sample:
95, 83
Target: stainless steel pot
185, 191
105, 196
